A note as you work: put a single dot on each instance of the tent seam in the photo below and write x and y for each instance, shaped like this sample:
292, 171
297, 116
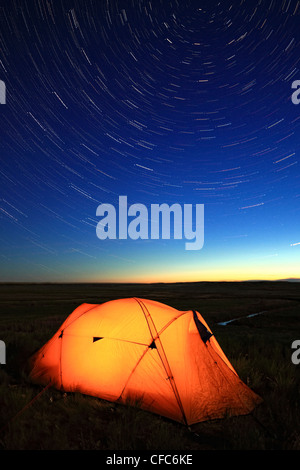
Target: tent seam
170, 375
225, 377
133, 370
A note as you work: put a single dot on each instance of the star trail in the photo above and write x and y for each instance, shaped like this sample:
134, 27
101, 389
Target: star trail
162, 102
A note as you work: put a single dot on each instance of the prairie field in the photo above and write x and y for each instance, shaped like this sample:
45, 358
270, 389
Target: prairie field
258, 346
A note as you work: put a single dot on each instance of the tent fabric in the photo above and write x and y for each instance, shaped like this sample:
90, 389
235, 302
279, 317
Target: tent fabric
147, 354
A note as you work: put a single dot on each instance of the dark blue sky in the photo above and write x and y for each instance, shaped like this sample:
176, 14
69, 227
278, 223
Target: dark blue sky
161, 101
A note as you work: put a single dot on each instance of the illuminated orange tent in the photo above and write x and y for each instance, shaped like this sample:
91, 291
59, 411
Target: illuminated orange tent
147, 354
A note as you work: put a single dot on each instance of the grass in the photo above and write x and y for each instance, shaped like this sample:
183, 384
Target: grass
259, 349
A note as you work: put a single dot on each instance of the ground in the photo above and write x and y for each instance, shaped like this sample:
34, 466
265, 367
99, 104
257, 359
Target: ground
259, 348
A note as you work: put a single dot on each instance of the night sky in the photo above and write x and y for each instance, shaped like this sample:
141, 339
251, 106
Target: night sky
164, 102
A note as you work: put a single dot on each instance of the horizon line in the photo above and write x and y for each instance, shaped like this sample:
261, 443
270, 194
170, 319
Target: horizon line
296, 279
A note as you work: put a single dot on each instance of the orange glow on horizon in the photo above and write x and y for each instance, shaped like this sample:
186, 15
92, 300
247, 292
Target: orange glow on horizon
224, 275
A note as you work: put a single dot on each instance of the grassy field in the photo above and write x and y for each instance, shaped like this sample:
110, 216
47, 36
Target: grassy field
259, 348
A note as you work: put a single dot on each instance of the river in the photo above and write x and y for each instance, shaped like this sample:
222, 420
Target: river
224, 323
